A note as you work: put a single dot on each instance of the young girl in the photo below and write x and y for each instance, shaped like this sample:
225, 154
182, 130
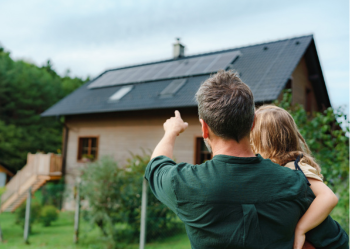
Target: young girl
276, 136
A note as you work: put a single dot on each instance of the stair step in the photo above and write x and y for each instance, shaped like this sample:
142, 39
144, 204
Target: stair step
40, 181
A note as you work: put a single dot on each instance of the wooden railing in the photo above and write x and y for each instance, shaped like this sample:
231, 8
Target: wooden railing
37, 165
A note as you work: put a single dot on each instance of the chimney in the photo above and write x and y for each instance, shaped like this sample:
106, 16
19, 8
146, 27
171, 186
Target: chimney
179, 49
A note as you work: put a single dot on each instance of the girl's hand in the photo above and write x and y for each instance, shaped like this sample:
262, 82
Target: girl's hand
299, 240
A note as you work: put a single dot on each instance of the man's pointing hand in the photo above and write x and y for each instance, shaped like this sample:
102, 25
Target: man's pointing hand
175, 124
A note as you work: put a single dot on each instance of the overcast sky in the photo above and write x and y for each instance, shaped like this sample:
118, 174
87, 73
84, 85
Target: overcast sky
89, 36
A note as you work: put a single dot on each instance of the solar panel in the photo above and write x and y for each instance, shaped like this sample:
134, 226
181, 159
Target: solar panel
153, 70
185, 65
134, 74
201, 66
172, 88
222, 62
165, 70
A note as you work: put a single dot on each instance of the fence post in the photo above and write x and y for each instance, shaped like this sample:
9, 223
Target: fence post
77, 213
143, 214
27, 217
1, 239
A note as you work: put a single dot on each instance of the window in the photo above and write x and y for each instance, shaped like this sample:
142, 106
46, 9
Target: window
202, 152
172, 88
88, 148
120, 93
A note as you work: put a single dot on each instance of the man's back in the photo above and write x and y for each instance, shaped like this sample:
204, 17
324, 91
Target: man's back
232, 202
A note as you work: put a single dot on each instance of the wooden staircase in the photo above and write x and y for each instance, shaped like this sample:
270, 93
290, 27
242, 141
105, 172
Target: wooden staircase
40, 168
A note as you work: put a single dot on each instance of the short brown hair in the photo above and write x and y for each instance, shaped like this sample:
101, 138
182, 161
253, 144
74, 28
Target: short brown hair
226, 104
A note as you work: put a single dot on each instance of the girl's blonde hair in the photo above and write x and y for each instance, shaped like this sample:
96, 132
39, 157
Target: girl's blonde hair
276, 136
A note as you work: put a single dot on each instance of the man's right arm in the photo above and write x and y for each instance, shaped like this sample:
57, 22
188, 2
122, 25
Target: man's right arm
158, 173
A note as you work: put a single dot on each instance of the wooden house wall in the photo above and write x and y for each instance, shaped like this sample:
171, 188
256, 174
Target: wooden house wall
125, 132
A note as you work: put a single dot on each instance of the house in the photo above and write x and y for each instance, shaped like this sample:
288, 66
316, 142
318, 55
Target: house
123, 109
5, 174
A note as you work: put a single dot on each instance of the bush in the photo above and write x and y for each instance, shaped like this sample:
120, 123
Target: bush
161, 221
114, 196
35, 210
100, 186
52, 193
48, 214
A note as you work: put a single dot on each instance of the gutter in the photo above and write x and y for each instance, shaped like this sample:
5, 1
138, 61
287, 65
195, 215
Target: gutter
64, 146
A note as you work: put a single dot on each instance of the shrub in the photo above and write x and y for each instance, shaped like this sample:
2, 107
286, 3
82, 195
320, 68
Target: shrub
161, 221
114, 196
48, 214
100, 186
52, 193
35, 210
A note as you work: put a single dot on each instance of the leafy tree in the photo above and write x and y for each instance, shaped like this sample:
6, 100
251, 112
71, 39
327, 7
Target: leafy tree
26, 91
329, 144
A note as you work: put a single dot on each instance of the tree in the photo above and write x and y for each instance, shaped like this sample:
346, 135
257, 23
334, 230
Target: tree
26, 91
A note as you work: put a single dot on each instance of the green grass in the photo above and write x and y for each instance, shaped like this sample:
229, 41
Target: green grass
60, 236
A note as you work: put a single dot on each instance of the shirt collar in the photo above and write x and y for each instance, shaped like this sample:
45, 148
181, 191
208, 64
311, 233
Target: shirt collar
238, 160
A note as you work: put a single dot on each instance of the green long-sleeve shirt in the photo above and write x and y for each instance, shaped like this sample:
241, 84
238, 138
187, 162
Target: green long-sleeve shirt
235, 202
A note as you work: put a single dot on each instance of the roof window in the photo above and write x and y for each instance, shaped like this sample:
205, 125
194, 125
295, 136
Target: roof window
172, 88
120, 93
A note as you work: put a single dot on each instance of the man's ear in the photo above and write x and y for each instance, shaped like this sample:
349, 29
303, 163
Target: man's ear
253, 122
205, 128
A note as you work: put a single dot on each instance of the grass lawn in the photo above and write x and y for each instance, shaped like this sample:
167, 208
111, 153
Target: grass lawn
60, 236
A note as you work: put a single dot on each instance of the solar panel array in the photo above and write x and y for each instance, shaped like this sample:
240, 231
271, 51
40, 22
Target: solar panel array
164, 70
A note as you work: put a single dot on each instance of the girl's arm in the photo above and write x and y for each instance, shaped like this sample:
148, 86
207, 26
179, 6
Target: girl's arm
318, 211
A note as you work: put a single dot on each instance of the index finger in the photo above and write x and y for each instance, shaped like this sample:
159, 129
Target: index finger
177, 114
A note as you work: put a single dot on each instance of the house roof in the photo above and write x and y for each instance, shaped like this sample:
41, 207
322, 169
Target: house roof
265, 68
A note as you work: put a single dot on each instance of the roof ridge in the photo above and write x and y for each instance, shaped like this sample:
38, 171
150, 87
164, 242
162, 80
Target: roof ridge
203, 54
255, 44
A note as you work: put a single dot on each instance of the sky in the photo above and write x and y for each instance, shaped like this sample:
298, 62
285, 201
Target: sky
87, 37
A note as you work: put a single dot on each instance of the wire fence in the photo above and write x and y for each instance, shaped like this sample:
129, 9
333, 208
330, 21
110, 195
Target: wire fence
144, 220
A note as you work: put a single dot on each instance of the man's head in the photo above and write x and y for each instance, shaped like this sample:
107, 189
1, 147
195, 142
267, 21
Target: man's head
226, 105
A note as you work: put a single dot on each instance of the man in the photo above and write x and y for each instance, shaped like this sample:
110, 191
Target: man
237, 199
